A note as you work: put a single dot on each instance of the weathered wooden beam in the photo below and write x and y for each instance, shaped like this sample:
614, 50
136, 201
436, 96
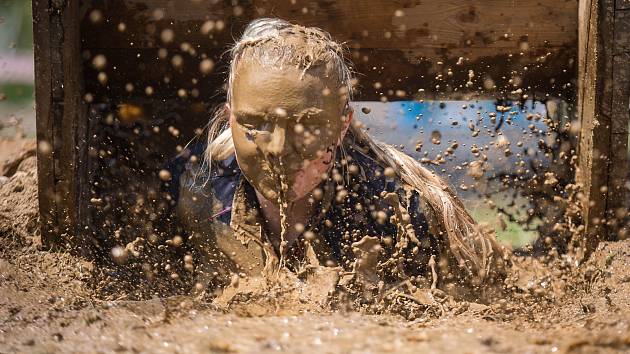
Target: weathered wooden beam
61, 124
604, 83
43, 94
453, 28
496, 38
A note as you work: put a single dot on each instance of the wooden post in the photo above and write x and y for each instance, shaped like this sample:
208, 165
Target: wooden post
604, 83
61, 123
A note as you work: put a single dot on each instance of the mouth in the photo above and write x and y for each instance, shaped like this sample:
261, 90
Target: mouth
282, 170
275, 185
272, 190
280, 175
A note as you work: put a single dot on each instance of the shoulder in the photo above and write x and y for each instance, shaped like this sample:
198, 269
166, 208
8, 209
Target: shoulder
198, 187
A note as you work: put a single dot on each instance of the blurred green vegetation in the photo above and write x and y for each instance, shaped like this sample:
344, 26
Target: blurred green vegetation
25, 38
513, 234
508, 232
16, 61
18, 93
16, 25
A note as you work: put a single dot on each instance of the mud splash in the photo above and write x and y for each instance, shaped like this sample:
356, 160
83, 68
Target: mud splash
283, 202
51, 302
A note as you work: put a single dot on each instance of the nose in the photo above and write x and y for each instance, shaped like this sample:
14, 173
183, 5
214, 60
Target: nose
276, 146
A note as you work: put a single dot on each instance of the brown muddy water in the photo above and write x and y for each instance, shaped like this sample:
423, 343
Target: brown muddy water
49, 302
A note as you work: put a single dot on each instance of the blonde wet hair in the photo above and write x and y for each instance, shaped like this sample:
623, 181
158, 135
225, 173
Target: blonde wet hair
272, 41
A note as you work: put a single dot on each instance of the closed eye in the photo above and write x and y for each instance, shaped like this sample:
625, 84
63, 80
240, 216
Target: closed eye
246, 117
260, 127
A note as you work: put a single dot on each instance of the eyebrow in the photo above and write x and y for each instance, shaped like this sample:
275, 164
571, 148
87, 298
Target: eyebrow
312, 111
249, 113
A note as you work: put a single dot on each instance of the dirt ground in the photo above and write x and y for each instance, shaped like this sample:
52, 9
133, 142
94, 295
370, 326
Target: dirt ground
48, 303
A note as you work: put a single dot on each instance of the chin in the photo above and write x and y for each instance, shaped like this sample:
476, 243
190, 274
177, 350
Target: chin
270, 190
270, 195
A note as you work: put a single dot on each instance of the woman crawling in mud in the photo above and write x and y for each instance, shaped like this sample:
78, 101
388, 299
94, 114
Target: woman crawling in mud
289, 182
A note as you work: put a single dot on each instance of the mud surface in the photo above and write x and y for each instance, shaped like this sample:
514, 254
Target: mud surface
50, 303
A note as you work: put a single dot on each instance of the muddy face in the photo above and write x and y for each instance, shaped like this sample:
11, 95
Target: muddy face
286, 124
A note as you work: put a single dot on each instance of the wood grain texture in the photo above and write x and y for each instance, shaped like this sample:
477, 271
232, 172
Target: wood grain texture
43, 94
604, 94
622, 28
452, 27
434, 28
620, 115
594, 138
404, 41
61, 124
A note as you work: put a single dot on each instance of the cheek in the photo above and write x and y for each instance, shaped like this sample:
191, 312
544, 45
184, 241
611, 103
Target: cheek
310, 176
316, 135
244, 144
312, 144
248, 155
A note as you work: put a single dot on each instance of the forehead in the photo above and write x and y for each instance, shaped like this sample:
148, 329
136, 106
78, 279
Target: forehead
260, 88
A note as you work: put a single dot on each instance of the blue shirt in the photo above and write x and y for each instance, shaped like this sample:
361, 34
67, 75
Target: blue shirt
219, 212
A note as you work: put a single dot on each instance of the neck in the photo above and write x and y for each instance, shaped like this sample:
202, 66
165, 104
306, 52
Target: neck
298, 212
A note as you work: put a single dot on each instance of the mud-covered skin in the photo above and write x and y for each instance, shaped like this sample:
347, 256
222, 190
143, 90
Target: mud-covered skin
358, 200
285, 121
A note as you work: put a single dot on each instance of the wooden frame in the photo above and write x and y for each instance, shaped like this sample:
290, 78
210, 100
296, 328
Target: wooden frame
604, 113
450, 29
61, 124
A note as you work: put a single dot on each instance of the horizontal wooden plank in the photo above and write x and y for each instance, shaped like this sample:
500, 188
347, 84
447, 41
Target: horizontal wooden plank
435, 29
500, 39
387, 73
444, 26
